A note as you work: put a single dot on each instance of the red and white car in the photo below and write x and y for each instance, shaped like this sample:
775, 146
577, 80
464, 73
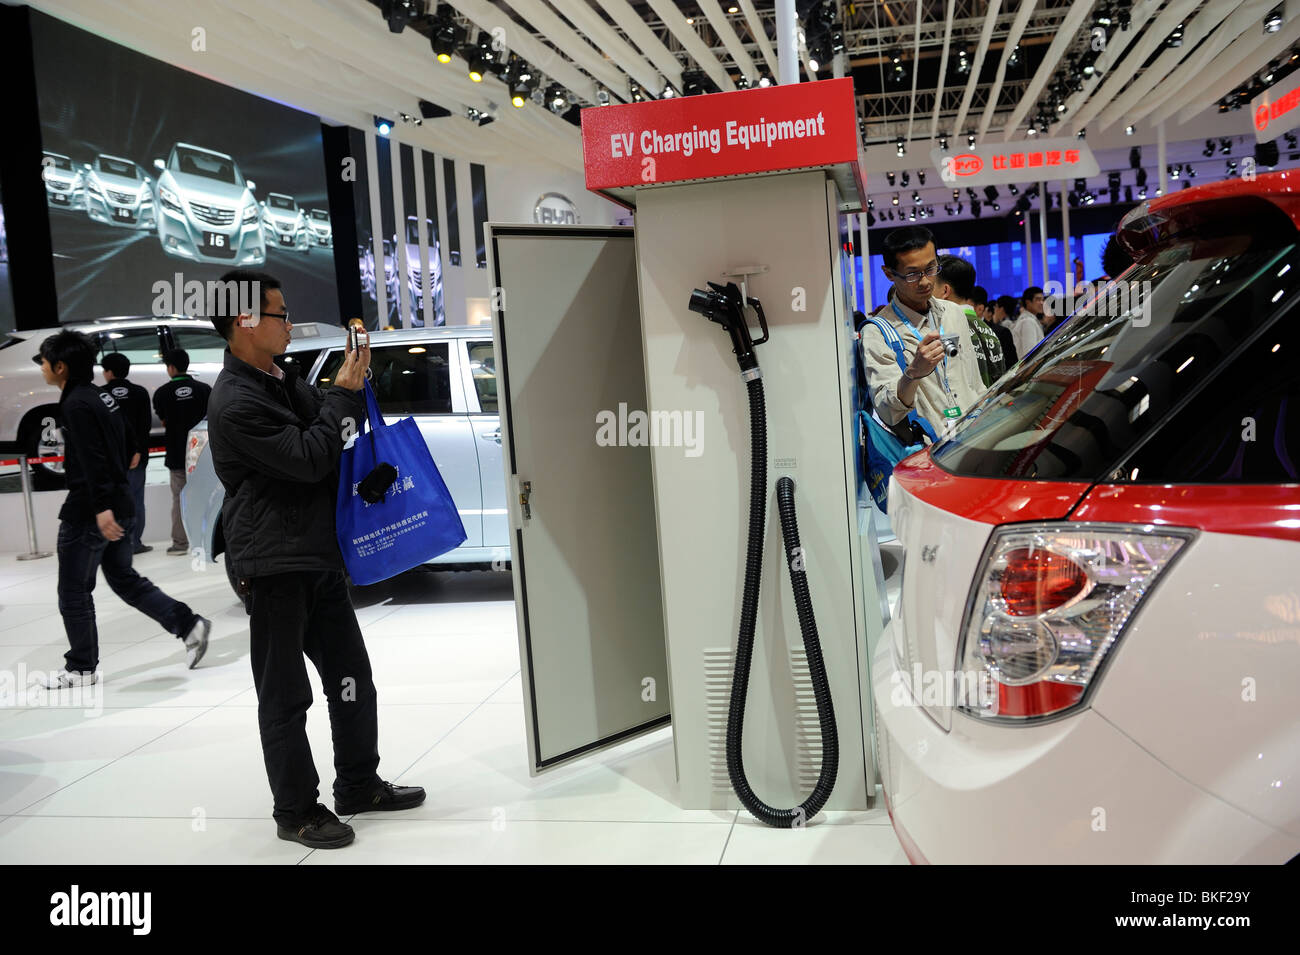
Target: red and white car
1096, 653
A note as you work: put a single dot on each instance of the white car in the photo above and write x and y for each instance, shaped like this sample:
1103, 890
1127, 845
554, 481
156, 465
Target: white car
1096, 650
318, 222
414, 278
119, 193
206, 209
64, 182
284, 225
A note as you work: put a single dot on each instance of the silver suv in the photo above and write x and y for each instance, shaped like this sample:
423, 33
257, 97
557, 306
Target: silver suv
29, 408
64, 182
119, 193
322, 234
284, 226
445, 378
206, 209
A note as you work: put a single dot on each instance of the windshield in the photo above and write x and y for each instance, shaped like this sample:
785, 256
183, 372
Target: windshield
1127, 359
282, 202
320, 216
209, 165
115, 167
58, 162
413, 230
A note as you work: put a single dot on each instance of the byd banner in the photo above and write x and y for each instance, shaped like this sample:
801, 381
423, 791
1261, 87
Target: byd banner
1038, 160
722, 134
1274, 111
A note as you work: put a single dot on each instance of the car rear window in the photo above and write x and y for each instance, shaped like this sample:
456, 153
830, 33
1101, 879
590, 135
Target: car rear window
1115, 375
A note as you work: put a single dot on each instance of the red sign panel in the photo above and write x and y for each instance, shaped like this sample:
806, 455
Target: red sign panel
722, 134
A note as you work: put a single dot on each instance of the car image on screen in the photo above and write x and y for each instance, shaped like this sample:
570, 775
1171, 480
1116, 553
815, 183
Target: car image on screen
206, 209
318, 222
284, 225
64, 182
119, 193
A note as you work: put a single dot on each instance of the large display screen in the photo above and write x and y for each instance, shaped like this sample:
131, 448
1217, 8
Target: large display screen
6, 296
1000, 267
156, 175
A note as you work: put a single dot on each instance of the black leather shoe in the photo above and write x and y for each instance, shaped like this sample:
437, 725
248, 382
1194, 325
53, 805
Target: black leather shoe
320, 830
142, 549
387, 798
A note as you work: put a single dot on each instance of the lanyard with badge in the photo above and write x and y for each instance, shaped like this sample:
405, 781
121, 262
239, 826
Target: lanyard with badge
953, 410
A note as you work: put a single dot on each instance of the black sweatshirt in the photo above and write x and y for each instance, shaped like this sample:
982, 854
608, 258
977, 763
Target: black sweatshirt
134, 400
96, 438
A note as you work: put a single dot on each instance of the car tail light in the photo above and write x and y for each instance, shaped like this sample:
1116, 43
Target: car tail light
198, 440
1048, 606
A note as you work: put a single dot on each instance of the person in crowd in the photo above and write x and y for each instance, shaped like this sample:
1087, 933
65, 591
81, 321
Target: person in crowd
1115, 259
1003, 307
180, 405
940, 388
134, 400
1027, 330
957, 285
98, 514
276, 443
980, 299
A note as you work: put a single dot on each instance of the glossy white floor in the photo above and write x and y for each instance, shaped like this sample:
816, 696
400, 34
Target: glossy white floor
171, 770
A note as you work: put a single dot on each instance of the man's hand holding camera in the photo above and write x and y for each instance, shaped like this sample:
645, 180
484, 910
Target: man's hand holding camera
928, 356
355, 365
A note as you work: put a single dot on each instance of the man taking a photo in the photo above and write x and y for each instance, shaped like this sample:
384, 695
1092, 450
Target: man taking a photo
276, 443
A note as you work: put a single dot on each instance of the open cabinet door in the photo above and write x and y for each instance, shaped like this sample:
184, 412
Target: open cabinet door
585, 553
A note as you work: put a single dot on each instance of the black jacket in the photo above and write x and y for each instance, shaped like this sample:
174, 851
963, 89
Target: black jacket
276, 447
96, 440
134, 400
181, 404
1008, 343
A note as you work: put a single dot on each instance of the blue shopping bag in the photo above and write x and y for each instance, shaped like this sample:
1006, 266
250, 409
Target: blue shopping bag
394, 511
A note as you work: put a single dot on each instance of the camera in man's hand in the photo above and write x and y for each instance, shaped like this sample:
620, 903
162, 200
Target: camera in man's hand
951, 344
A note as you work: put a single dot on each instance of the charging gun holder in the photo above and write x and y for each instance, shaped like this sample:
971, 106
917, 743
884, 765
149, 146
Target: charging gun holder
726, 306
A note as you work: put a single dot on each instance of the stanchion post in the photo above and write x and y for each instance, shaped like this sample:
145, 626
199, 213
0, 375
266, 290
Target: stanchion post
25, 475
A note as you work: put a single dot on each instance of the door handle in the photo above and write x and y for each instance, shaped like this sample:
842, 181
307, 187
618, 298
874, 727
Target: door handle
492, 435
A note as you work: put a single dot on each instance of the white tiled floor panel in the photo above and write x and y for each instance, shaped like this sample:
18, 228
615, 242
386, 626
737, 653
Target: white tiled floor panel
163, 764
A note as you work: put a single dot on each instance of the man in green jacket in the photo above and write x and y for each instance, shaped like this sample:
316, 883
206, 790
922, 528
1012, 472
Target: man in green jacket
956, 284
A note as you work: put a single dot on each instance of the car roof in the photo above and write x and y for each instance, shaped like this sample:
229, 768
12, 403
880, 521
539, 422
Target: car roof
130, 162
49, 152
204, 149
280, 194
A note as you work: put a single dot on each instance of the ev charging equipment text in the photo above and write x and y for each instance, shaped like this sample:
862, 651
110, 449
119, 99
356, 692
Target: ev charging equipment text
653, 142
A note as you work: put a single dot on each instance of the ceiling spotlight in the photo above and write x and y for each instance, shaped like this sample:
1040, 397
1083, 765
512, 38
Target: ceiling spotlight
890, 176
943, 143
1014, 59
1208, 151
1175, 38
963, 61
970, 140
1231, 167
398, 13
634, 91
557, 98
975, 208
1273, 22
1013, 190
902, 147
920, 175
1225, 146
895, 199
916, 196
477, 65
668, 92
1173, 172
690, 21
742, 82
991, 193
813, 64
1128, 130
1128, 193
478, 116
445, 36
765, 81
904, 178
602, 97
733, 9
1033, 130
1135, 157
1142, 177
383, 126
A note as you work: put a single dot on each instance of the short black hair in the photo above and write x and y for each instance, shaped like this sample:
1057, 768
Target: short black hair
1008, 303
225, 308
958, 273
1114, 258
117, 363
979, 295
178, 358
1030, 293
74, 349
907, 239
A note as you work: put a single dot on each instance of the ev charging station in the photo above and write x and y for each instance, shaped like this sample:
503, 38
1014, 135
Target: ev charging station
745, 190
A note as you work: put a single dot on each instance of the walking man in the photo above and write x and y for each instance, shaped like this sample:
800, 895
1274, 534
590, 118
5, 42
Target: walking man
96, 519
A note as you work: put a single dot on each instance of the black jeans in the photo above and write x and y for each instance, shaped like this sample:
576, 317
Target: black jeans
135, 478
82, 550
311, 613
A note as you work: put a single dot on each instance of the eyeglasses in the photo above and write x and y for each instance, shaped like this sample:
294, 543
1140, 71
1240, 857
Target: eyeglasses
280, 315
911, 278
